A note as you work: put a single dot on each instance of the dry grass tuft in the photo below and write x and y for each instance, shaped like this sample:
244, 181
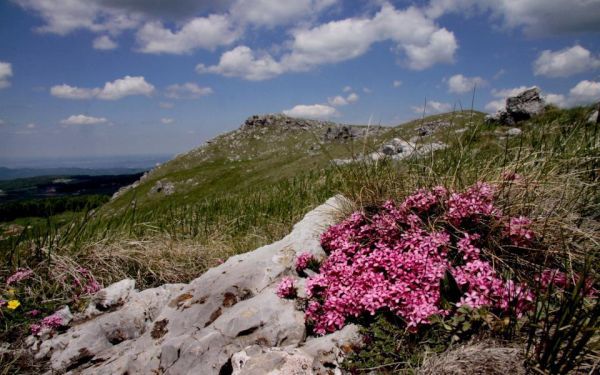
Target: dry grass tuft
486, 357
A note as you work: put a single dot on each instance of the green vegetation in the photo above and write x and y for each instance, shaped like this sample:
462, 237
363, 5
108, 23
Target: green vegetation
247, 188
49, 206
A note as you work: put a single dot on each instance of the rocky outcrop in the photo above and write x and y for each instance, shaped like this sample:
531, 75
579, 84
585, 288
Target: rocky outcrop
229, 320
164, 187
396, 149
342, 132
518, 108
431, 127
282, 121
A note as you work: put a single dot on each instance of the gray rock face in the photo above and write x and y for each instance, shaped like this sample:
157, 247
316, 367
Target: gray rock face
164, 187
431, 127
342, 132
227, 319
512, 132
518, 108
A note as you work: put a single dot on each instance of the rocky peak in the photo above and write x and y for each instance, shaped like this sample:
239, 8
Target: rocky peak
282, 121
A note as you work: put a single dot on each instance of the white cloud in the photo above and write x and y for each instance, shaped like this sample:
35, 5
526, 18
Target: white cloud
166, 105
315, 111
417, 37
65, 16
557, 99
126, 86
69, 92
433, 107
397, 83
367, 90
495, 105
243, 62
31, 125
83, 120
167, 121
271, 13
117, 89
460, 84
188, 90
5, 74
565, 62
201, 32
347, 89
536, 17
352, 98
337, 101
104, 43
585, 92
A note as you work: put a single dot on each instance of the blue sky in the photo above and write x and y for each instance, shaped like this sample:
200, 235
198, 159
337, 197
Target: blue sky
128, 77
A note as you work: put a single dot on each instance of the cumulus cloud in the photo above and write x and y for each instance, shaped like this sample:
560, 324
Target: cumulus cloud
397, 83
585, 92
272, 13
243, 62
535, 17
167, 121
565, 62
423, 44
201, 32
104, 43
83, 120
340, 100
65, 91
188, 90
64, 16
460, 84
315, 111
5, 74
117, 89
558, 100
433, 107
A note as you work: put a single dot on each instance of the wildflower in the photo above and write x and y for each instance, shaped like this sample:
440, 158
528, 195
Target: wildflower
52, 321
13, 304
34, 313
35, 328
394, 261
2, 303
303, 261
286, 288
20, 275
518, 231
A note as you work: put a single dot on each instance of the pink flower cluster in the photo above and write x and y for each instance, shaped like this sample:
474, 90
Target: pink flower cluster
286, 288
52, 322
396, 259
518, 231
19, 275
303, 261
89, 285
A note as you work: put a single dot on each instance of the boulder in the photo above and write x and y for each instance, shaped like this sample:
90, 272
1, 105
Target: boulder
518, 108
512, 132
341, 132
227, 319
164, 187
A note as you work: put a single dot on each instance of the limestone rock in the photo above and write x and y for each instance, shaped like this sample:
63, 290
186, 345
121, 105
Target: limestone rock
512, 132
164, 187
518, 108
197, 328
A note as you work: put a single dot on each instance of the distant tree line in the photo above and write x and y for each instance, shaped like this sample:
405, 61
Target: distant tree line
50, 206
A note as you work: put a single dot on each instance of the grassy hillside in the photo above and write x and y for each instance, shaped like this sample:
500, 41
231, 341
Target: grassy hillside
246, 188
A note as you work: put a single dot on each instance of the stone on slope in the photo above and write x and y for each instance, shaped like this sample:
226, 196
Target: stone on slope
197, 328
518, 108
